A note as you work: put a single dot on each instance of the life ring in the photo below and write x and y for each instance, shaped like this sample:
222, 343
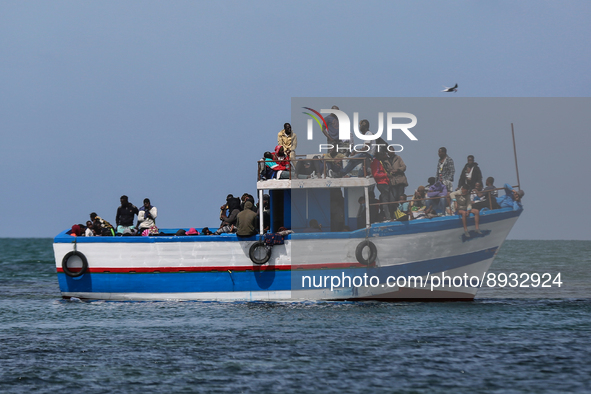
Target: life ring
373, 253
255, 252
74, 274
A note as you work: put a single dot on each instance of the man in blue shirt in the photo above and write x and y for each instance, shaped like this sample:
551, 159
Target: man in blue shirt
511, 199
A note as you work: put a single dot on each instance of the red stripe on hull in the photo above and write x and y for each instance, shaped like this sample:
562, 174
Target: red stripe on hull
221, 269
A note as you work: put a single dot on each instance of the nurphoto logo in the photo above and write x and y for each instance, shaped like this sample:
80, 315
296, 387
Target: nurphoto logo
344, 128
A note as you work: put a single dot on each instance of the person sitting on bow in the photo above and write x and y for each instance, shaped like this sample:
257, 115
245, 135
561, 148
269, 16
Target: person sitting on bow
511, 199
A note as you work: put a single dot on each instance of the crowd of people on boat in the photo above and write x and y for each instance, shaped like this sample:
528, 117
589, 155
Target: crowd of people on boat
124, 221
241, 215
437, 198
237, 215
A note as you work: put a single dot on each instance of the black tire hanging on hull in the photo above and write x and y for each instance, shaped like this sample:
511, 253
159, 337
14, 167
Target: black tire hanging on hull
256, 250
373, 253
74, 274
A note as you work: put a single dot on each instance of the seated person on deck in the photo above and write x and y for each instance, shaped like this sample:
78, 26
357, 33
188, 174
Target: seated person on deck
89, 232
438, 189
229, 221
283, 167
482, 199
334, 164
146, 217
511, 199
247, 197
309, 168
464, 207
418, 203
271, 168
101, 226
245, 221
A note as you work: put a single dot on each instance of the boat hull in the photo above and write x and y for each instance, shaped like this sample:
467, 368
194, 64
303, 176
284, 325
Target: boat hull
306, 267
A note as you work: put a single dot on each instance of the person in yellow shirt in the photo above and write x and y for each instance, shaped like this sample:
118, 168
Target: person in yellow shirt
288, 140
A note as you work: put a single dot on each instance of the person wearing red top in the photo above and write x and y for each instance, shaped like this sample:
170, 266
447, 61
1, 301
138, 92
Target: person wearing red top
283, 165
383, 182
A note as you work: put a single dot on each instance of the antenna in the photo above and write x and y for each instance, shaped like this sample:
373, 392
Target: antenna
515, 153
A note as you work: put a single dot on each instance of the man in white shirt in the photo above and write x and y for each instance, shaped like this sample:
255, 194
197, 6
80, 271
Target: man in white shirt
146, 217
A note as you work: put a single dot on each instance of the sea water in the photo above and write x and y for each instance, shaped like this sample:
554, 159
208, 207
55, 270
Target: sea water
510, 339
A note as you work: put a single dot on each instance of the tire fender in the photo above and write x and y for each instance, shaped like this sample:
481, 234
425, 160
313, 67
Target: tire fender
373, 252
252, 252
74, 274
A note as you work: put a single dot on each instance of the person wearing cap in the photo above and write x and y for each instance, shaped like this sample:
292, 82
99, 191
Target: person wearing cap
511, 199
288, 140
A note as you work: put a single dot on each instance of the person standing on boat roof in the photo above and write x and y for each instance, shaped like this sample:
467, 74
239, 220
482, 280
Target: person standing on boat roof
331, 130
332, 133
146, 217
288, 139
125, 217
470, 174
445, 169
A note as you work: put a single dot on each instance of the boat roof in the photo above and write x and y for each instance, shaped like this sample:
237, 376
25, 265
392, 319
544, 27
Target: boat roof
317, 183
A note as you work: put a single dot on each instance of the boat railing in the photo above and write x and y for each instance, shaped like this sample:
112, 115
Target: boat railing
391, 203
324, 167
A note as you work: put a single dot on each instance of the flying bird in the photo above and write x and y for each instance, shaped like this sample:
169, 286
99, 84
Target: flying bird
449, 90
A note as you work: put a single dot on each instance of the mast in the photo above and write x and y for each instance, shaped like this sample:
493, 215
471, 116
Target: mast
515, 154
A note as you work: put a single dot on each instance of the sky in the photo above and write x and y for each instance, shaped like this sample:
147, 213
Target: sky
175, 101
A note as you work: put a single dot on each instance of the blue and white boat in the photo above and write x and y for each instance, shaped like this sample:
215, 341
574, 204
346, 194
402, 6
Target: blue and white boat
413, 260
